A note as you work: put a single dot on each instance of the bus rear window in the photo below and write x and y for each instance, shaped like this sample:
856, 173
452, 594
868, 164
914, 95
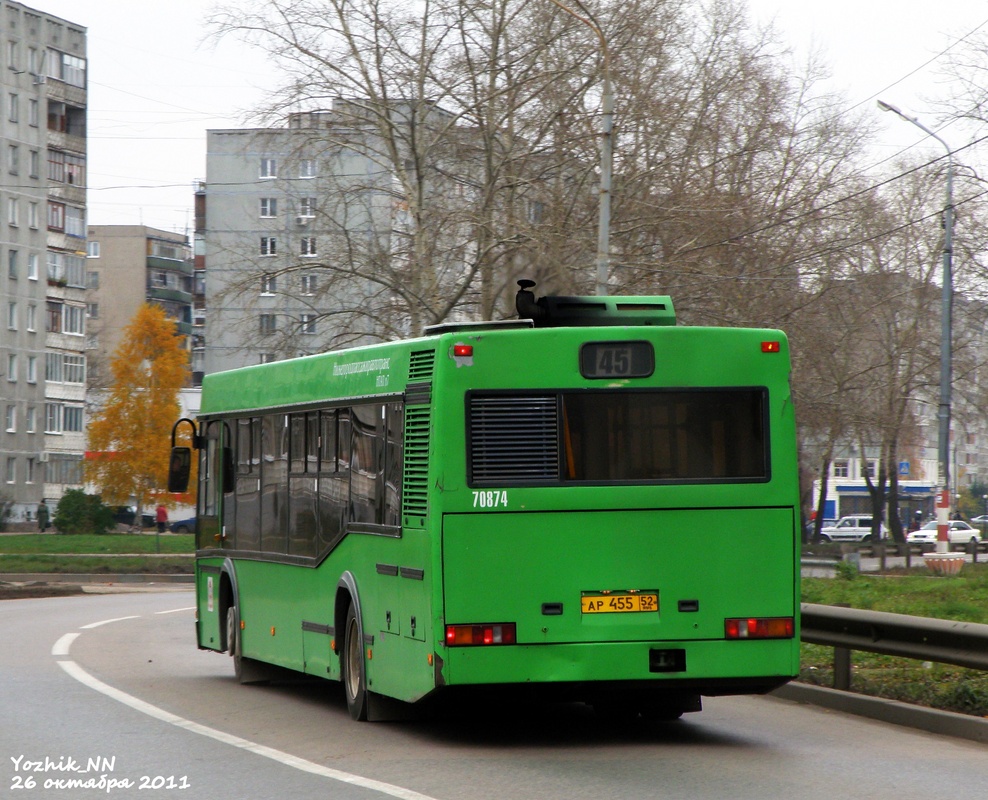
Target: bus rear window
656, 436
664, 436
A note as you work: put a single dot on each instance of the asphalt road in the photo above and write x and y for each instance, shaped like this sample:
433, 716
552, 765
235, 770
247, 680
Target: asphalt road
117, 678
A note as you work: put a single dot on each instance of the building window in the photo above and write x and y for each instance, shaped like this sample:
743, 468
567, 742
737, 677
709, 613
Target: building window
13, 159
269, 284
32, 266
75, 368
12, 60
269, 207
92, 251
32, 119
31, 419
53, 323
75, 221
307, 168
32, 317
72, 419
11, 419
32, 369
32, 214
308, 323
13, 107
10, 473
29, 471
12, 264
12, 315
92, 278
269, 246
308, 247
308, 284
13, 212
840, 469
53, 418
867, 469
268, 358
269, 168
56, 216
12, 367
74, 320
92, 310
269, 324
307, 207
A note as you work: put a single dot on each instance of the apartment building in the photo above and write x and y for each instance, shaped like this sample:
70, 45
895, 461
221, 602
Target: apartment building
42, 248
127, 266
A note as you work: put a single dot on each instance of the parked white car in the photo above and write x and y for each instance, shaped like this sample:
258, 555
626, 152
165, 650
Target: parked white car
851, 529
959, 533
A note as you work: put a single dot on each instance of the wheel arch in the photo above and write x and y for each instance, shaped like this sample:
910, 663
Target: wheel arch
346, 593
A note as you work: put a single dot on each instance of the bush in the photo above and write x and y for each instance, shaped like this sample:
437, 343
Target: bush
78, 512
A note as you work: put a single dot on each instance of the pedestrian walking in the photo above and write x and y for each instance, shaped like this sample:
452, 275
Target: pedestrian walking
161, 516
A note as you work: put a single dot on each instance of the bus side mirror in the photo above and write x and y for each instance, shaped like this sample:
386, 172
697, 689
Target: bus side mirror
179, 466
229, 484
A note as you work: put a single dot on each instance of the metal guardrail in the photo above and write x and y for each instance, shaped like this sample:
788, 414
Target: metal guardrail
963, 644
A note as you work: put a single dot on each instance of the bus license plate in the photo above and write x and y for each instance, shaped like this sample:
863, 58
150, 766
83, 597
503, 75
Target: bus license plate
619, 602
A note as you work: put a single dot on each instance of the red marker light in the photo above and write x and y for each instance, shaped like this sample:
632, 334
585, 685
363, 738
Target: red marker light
760, 628
462, 350
481, 634
771, 347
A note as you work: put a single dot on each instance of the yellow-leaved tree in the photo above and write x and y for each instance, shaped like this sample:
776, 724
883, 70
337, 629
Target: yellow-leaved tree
130, 434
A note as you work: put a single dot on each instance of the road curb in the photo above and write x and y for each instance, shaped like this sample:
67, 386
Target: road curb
931, 720
78, 577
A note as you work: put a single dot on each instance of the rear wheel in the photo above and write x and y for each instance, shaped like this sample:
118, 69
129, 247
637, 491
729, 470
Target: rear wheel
353, 667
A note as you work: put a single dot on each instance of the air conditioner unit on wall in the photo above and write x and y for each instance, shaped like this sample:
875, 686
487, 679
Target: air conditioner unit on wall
43, 458
302, 220
40, 79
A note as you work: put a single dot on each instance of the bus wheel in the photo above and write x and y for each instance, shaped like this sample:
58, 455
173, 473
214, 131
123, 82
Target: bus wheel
352, 667
233, 641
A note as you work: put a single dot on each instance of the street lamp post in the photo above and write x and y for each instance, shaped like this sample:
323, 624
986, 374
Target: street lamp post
943, 414
606, 146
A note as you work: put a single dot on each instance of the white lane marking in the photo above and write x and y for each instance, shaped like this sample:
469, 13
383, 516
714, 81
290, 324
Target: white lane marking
107, 622
61, 647
176, 610
287, 759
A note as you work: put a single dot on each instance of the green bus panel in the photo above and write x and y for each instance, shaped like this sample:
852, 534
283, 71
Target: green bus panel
208, 607
705, 566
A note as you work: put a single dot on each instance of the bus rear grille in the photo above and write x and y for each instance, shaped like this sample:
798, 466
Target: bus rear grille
513, 440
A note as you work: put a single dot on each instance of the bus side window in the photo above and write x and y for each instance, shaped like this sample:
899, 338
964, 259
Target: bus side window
334, 476
366, 463
393, 458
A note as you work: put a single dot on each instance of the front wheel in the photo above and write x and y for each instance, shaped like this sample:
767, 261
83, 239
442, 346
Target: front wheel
233, 641
353, 667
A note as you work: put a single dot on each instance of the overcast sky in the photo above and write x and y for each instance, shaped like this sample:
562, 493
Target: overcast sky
155, 88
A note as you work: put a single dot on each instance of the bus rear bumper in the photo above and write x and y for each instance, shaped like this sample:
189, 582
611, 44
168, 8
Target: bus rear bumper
705, 667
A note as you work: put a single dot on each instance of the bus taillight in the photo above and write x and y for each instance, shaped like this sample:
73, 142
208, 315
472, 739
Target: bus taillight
462, 350
482, 634
759, 628
771, 347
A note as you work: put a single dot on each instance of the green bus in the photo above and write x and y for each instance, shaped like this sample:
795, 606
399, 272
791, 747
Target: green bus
589, 503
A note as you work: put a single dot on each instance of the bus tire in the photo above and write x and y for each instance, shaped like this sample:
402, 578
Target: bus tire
352, 667
233, 641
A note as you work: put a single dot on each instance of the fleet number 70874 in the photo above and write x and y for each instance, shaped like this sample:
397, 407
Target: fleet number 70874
492, 498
